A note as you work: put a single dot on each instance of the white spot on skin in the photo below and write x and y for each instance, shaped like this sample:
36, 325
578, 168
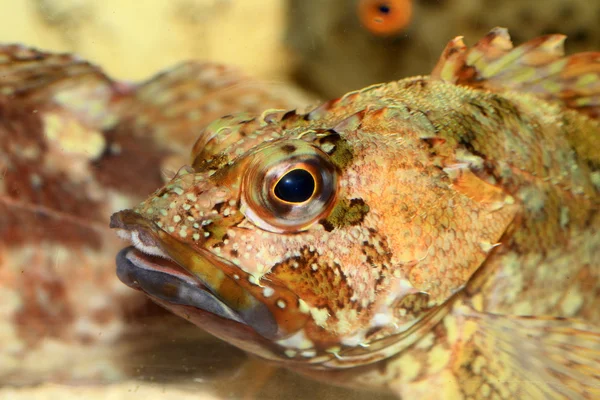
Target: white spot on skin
303, 306
487, 246
309, 353
381, 319
290, 353
176, 218
533, 199
353, 341
297, 341
281, 304
268, 292
320, 315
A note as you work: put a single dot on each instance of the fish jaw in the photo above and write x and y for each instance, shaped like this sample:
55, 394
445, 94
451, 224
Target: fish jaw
168, 285
197, 289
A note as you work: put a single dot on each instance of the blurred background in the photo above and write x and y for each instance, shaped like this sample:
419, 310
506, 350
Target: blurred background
133, 40
326, 47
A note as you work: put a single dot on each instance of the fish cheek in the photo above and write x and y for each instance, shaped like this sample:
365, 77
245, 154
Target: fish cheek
321, 288
463, 233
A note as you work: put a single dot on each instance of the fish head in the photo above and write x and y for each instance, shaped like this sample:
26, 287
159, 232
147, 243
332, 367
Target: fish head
325, 243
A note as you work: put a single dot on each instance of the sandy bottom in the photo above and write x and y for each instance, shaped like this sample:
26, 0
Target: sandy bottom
126, 390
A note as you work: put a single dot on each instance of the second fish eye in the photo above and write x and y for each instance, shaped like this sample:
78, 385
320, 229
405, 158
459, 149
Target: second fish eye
295, 186
385, 18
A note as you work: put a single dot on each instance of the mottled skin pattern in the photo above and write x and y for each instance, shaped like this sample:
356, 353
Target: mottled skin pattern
72, 146
336, 53
449, 250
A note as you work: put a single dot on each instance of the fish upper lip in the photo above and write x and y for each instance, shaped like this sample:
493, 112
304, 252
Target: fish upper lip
137, 268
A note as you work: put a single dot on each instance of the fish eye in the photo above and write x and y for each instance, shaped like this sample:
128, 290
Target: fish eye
288, 187
296, 186
385, 17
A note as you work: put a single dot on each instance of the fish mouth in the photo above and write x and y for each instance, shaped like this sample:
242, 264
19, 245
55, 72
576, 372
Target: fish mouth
164, 279
153, 265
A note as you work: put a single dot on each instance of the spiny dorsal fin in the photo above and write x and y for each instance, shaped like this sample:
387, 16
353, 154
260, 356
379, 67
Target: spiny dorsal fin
538, 67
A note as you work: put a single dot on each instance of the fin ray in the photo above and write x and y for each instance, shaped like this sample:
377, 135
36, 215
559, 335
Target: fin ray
545, 357
538, 67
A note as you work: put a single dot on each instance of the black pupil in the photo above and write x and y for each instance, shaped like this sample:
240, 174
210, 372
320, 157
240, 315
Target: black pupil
384, 9
296, 186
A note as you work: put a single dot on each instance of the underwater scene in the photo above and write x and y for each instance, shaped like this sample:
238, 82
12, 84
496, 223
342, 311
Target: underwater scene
299, 199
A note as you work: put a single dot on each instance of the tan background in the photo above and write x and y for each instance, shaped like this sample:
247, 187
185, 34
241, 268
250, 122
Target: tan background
133, 39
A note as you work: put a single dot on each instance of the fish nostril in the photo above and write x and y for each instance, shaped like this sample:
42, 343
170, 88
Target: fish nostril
116, 222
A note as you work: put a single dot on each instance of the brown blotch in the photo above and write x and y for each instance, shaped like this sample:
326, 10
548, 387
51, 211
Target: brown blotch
323, 287
341, 154
219, 207
213, 163
346, 213
54, 208
288, 148
38, 319
136, 167
414, 304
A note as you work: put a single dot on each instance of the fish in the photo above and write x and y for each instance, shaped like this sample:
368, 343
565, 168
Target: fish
73, 142
434, 237
344, 45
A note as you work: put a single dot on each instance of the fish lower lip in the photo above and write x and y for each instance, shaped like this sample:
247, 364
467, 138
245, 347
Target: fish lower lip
173, 273
163, 279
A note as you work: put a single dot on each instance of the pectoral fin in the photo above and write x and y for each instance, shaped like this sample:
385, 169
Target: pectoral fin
530, 357
488, 356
